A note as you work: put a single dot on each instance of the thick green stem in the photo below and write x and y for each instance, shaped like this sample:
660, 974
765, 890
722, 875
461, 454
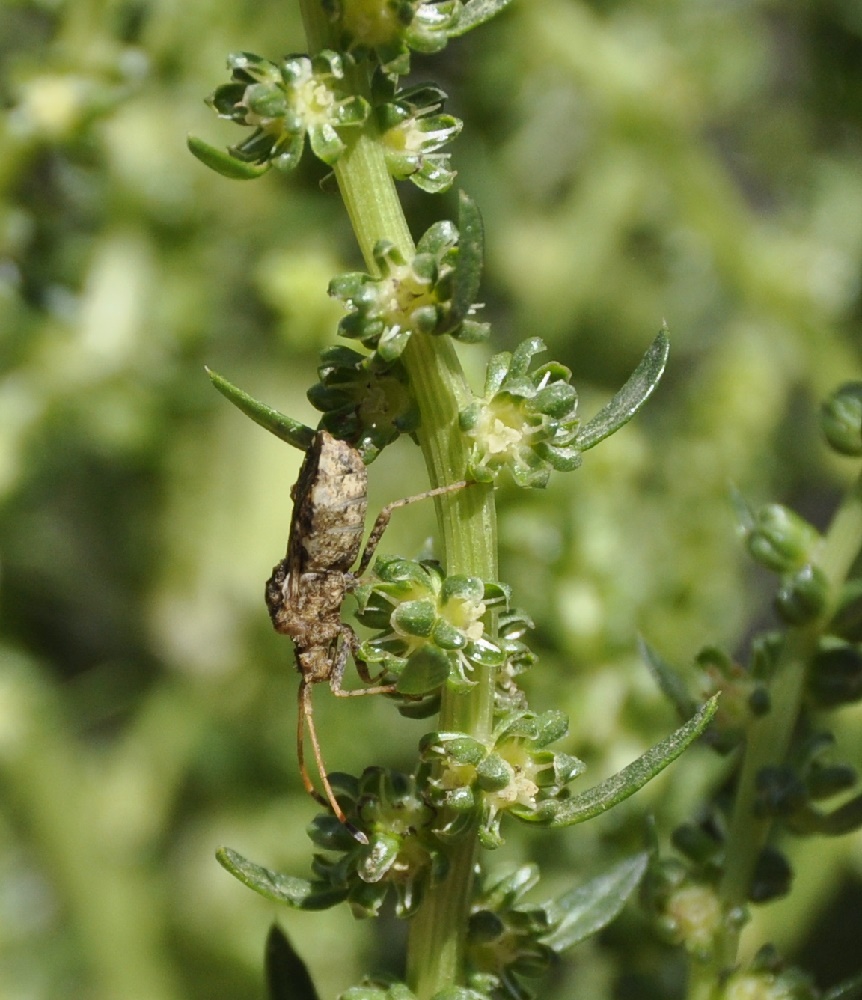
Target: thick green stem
467, 520
768, 737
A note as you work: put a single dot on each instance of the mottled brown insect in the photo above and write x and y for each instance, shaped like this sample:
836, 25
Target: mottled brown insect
307, 588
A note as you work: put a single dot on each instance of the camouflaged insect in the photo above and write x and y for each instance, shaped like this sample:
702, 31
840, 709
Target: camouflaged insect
307, 588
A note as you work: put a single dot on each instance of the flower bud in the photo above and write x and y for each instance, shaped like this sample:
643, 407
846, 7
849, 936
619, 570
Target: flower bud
780, 539
802, 595
835, 676
841, 419
772, 876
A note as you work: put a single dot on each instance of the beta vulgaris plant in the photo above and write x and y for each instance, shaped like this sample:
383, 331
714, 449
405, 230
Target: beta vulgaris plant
445, 636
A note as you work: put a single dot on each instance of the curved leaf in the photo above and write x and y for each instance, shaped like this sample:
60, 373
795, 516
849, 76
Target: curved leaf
585, 910
630, 398
296, 892
223, 163
283, 427
624, 783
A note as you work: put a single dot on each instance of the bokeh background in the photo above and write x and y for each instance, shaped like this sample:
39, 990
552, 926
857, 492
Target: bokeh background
636, 161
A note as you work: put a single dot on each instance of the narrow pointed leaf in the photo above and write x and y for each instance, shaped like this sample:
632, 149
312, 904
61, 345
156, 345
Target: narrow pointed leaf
223, 163
668, 680
471, 250
743, 512
584, 911
287, 977
283, 427
630, 398
296, 892
601, 797
850, 989
476, 12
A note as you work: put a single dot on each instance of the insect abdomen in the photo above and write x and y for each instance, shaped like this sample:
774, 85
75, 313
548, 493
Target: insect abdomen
334, 508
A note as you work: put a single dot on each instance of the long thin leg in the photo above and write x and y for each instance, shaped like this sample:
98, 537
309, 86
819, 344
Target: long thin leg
386, 513
306, 718
349, 644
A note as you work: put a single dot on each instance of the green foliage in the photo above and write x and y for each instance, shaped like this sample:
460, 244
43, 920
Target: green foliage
287, 977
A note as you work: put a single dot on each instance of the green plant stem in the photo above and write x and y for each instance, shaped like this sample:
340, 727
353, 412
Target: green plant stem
467, 520
768, 737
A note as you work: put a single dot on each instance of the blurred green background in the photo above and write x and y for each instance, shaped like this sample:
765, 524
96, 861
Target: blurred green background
694, 161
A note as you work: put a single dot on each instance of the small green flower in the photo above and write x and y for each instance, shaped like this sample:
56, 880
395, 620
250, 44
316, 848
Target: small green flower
284, 103
504, 943
770, 978
718, 672
407, 298
511, 627
412, 132
376, 989
430, 625
527, 421
686, 908
362, 403
372, 989
391, 28
512, 773
694, 918
402, 857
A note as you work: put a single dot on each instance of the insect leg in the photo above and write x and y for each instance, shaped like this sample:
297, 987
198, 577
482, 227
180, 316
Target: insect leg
349, 645
384, 515
306, 717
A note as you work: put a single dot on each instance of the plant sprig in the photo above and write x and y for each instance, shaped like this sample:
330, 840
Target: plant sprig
438, 633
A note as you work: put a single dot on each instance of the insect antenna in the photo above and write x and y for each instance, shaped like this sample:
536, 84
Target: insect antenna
305, 718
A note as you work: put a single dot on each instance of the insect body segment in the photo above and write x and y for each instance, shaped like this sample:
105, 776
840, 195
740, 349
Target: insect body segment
330, 502
307, 588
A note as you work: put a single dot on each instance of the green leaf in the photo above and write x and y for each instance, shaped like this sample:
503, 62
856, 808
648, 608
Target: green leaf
296, 892
416, 618
283, 427
606, 794
850, 989
476, 12
585, 910
426, 670
630, 398
287, 977
223, 163
471, 250
669, 682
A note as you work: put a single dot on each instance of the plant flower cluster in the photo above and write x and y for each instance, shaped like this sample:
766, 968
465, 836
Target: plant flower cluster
430, 626
512, 773
284, 103
363, 401
405, 297
526, 421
